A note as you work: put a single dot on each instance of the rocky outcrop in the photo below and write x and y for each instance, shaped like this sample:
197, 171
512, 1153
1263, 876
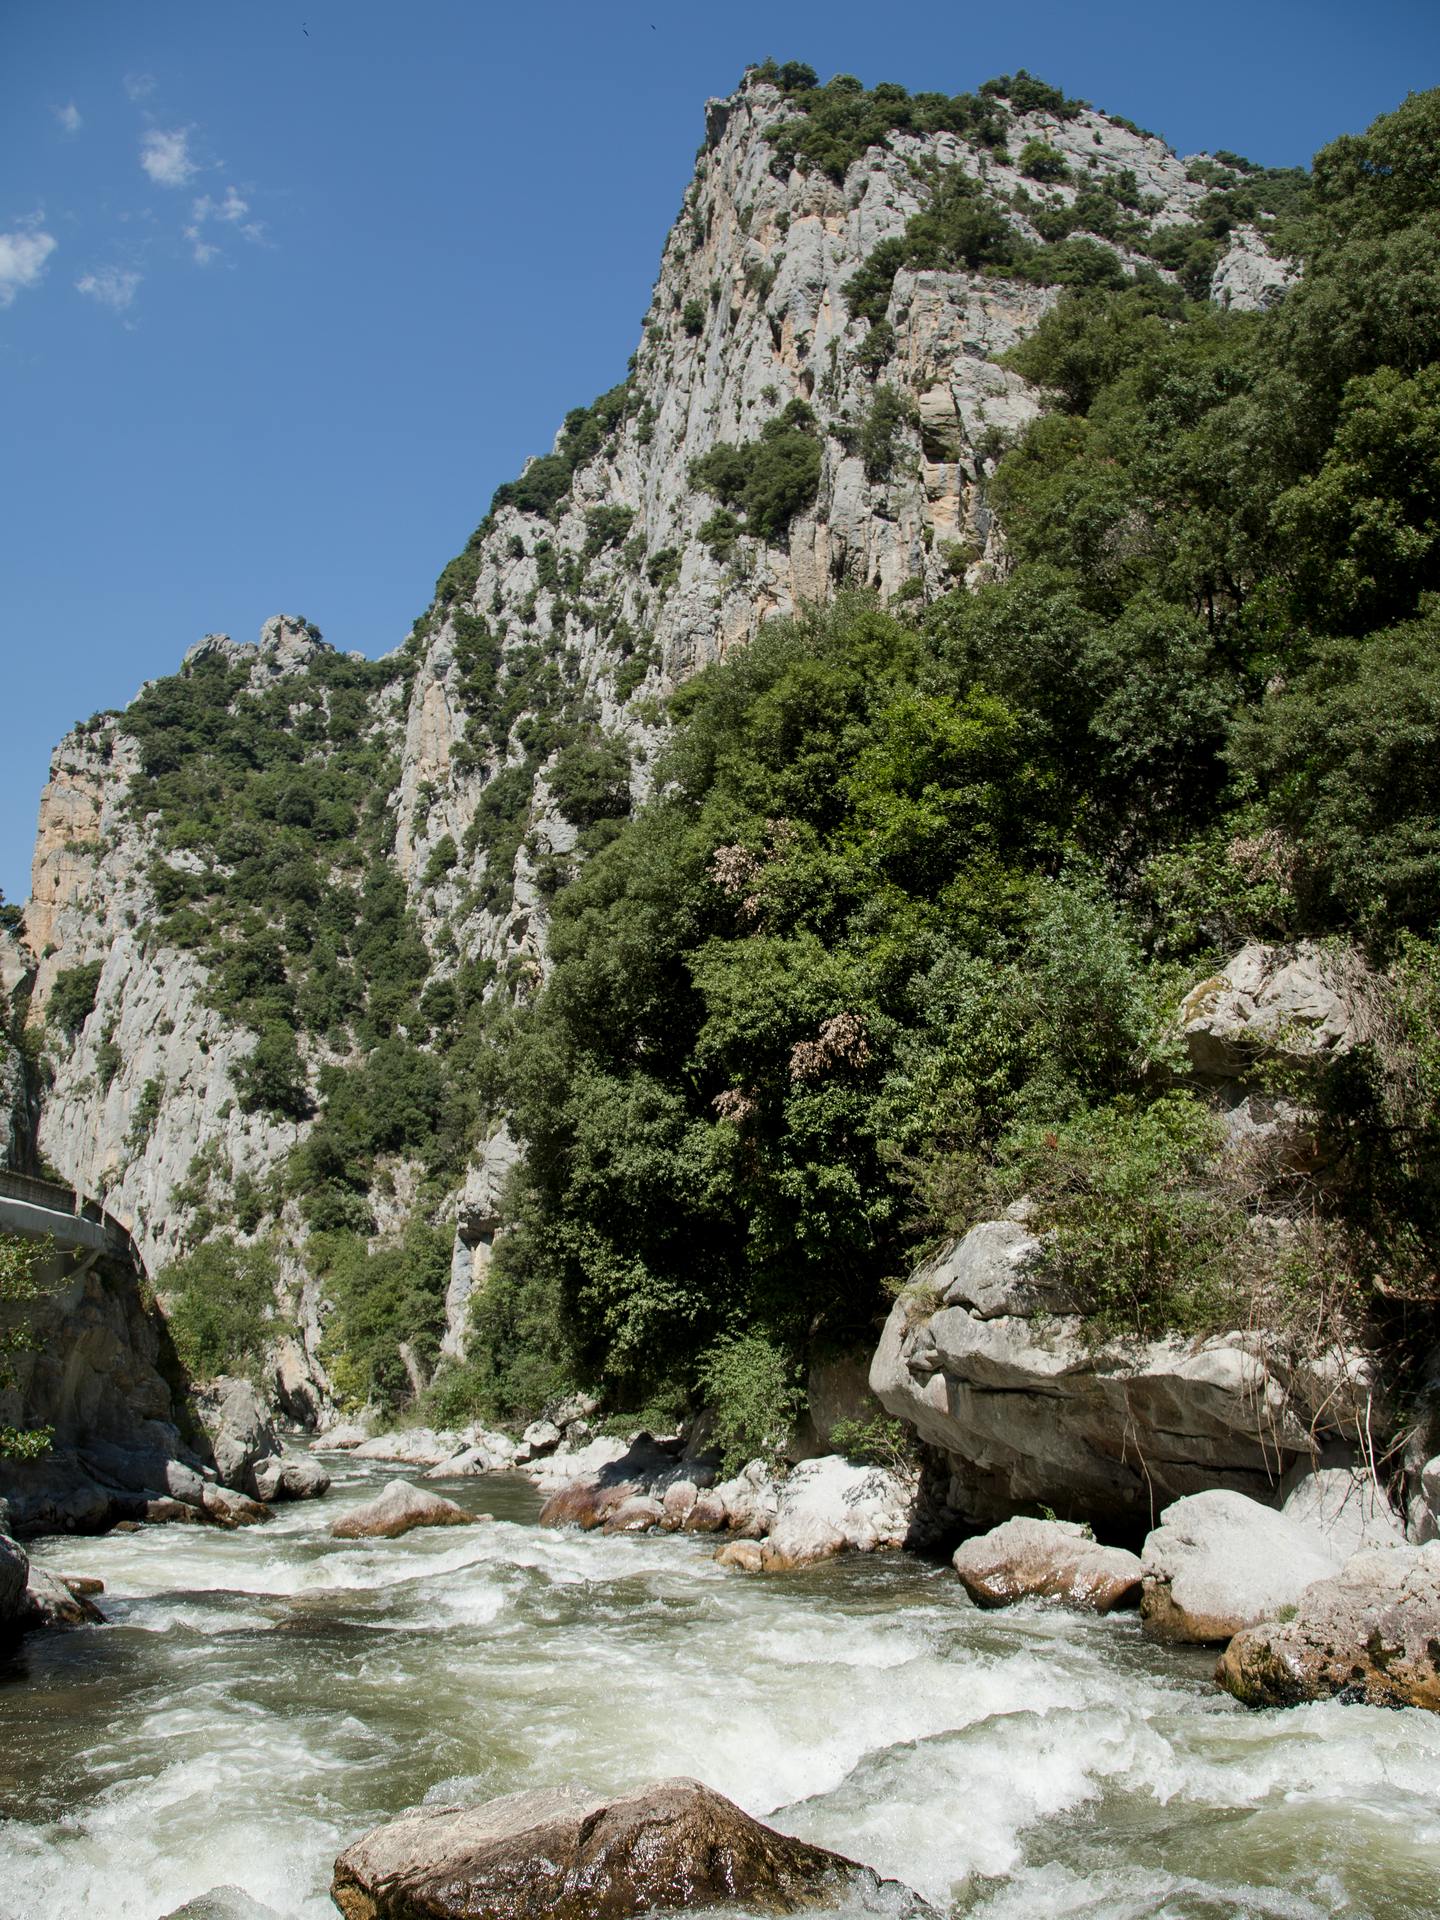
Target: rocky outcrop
94, 1378
564, 1853
1047, 1560
1343, 1504
829, 1506
1370, 1633
1219, 1562
982, 1358
1299, 1006
53, 1601
398, 1509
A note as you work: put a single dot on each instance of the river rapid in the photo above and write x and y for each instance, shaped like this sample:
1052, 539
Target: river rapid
262, 1698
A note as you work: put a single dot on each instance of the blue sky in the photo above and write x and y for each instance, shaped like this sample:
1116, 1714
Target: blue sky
287, 290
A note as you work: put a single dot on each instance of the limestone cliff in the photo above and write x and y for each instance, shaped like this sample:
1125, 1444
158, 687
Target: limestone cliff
591, 588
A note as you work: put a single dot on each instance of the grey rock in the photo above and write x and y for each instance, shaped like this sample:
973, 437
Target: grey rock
14, 1576
566, 1853
1219, 1562
241, 1436
1300, 1005
290, 1476
50, 1603
1367, 1634
223, 1903
1340, 1501
1047, 1560
398, 1509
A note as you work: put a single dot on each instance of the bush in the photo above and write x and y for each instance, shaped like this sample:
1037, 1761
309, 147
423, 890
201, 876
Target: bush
220, 1306
771, 479
752, 1389
72, 998
692, 317
1040, 161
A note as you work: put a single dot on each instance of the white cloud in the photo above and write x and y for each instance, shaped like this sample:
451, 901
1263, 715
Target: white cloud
231, 208
166, 157
139, 86
203, 250
22, 261
69, 117
113, 287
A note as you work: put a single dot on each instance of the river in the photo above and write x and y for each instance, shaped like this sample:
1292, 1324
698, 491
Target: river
261, 1698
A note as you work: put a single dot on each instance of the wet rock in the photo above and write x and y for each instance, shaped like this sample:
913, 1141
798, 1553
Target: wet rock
343, 1437
227, 1508
396, 1510
746, 1556
290, 1476
568, 1854
678, 1501
1219, 1562
49, 1602
706, 1516
83, 1585
638, 1514
607, 1474
750, 1501
14, 1576
1047, 1560
166, 1512
1370, 1634
223, 1903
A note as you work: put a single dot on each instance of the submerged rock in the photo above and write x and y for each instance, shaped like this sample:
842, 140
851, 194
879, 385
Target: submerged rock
1369, 1634
1219, 1562
568, 1854
223, 1903
396, 1510
1047, 1560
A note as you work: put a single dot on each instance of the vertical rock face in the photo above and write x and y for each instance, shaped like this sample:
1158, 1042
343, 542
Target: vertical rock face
585, 598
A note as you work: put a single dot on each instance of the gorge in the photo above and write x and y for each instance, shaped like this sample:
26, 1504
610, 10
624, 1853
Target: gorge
881, 923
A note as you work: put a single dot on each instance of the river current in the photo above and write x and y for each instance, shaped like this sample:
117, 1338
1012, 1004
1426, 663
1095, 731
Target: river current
261, 1698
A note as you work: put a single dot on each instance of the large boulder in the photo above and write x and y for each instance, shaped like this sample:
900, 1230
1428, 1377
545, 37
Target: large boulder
599, 1478
52, 1601
396, 1510
14, 1576
290, 1476
1020, 1407
831, 1504
563, 1853
1299, 1005
1370, 1633
241, 1436
1342, 1503
411, 1447
1219, 1562
1047, 1560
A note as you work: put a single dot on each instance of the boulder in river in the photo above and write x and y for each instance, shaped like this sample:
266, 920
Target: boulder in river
241, 1436
14, 1576
1369, 1634
223, 1903
227, 1508
1219, 1562
51, 1602
396, 1510
1344, 1504
1047, 1560
568, 1854
290, 1476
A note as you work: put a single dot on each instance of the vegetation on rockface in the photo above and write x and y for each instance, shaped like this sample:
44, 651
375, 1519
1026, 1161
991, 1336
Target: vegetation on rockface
904, 931
769, 480
220, 1306
20, 1287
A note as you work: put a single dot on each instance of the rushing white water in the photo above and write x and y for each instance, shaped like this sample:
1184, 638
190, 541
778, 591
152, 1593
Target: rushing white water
261, 1698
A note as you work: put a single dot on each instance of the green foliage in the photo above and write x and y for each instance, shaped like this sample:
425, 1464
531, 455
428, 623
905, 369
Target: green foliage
444, 858
1040, 161
72, 998
888, 412
835, 124
590, 780
692, 317
220, 1306
770, 479
20, 1287
752, 1389
963, 226
386, 1296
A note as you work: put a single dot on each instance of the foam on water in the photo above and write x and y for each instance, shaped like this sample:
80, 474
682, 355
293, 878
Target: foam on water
262, 1698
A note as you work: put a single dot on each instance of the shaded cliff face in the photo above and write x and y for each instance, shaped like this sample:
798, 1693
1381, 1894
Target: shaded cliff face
476, 765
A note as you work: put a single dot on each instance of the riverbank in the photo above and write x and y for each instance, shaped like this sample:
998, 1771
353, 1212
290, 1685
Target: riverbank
262, 1698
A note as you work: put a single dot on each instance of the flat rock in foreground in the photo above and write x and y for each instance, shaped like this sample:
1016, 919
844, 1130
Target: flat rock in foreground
1047, 1560
1371, 1634
395, 1510
568, 1854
